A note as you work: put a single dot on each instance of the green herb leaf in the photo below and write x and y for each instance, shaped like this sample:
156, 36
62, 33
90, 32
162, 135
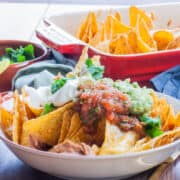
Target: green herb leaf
57, 84
152, 125
20, 54
153, 132
29, 51
47, 108
89, 62
21, 58
95, 71
154, 122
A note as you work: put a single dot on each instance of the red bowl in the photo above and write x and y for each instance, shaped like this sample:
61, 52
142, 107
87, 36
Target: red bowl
6, 77
138, 67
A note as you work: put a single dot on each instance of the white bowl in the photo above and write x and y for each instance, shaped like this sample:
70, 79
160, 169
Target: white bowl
112, 166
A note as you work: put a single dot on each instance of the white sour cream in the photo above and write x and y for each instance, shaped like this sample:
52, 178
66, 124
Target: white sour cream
39, 97
67, 93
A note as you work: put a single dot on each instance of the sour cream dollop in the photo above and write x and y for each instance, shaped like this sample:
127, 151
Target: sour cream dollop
65, 94
39, 97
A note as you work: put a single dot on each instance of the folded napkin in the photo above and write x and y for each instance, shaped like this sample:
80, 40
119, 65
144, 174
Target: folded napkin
42, 73
168, 82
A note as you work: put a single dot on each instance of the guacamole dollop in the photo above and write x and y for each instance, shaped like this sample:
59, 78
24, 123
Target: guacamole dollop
140, 97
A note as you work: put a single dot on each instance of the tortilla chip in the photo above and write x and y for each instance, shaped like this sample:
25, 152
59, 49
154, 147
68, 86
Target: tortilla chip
174, 44
118, 27
134, 12
163, 38
82, 136
100, 133
83, 27
19, 117
31, 111
161, 108
118, 16
88, 28
74, 125
81, 60
6, 120
169, 122
103, 46
117, 141
177, 120
143, 32
46, 128
165, 138
132, 40
65, 124
120, 45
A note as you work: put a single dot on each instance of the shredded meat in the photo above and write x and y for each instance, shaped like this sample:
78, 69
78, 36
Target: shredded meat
70, 147
38, 144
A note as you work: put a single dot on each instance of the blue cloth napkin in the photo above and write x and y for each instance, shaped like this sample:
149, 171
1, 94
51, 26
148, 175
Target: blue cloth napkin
168, 82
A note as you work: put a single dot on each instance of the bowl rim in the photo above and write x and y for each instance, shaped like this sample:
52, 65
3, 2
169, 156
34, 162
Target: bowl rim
69, 156
37, 45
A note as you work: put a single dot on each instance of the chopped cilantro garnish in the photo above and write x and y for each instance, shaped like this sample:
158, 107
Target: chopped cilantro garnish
20, 54
47, 108
57, 84
95, 71
152, 125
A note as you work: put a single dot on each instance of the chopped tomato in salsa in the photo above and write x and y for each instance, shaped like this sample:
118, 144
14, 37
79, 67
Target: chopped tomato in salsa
102, 100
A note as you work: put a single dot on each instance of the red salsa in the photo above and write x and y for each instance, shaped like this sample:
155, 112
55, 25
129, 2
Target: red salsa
97, 101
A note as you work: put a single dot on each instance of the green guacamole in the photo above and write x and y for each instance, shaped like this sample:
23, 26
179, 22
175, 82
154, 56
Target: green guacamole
140, 97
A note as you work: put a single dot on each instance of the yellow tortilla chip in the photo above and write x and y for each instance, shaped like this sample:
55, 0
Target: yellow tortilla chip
143, 32
161, 108
103, 46
65, 125
132, 40
163, 38
19, 117
178, 120
174, 44
74, 125
117, 141
88, 28
31, 111
165, 138
118, 16
134, 12
46, 128
113, 26
97, 138
120, 45
6, 120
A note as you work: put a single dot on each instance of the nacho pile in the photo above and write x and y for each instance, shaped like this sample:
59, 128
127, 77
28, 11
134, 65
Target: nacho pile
113, 36
87, 114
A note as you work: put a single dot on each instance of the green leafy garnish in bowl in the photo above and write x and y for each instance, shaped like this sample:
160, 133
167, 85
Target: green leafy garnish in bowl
20, 54
95, 71
152, 126
47, 108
